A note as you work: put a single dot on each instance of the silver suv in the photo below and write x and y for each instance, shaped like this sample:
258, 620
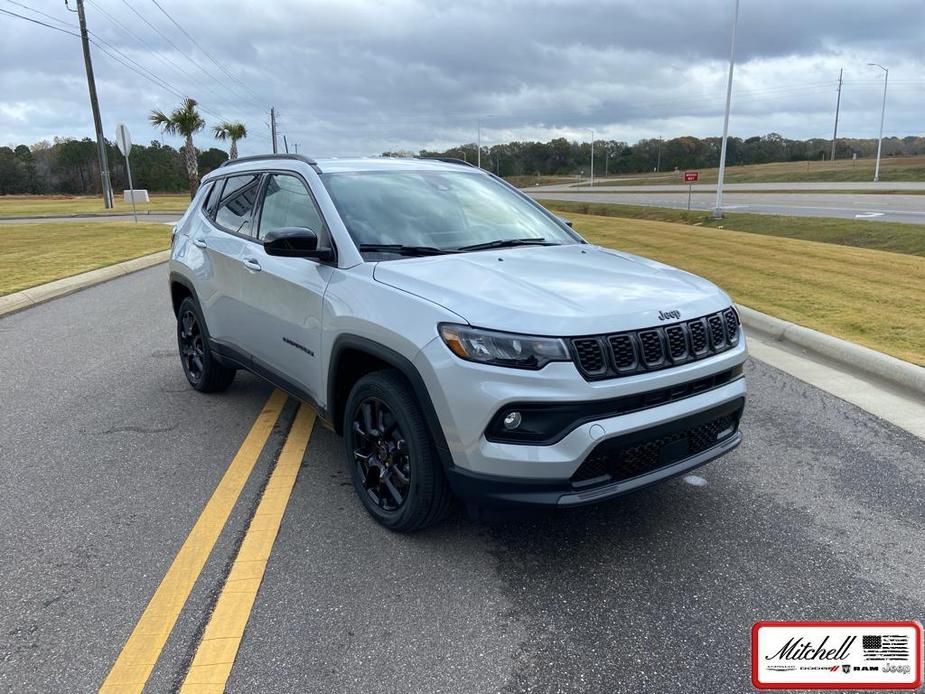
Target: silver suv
463, 340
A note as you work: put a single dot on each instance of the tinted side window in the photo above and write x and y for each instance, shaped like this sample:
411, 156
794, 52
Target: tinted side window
211, 198
237, 203
287, 203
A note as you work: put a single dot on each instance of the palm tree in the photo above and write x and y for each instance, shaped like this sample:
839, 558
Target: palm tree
185, 121
230, 130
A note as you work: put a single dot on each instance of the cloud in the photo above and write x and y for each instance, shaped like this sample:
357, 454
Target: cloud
362, 76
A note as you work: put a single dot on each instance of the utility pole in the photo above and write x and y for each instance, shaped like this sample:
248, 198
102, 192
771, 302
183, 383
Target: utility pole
718, 208
273, 127
658, 156
106, 185
295, 146
886, 77
837, 104
285, 144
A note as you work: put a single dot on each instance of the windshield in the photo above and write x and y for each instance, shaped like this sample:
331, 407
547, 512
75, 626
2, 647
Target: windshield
437, 209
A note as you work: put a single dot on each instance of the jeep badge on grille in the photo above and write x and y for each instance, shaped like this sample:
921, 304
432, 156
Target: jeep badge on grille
665, 315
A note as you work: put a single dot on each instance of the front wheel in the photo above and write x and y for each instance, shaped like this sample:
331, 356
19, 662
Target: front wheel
200, 367
392, 462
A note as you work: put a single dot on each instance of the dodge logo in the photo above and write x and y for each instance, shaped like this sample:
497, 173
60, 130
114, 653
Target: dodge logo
665, 315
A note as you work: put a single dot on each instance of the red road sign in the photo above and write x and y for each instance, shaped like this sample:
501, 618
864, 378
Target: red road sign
691, 176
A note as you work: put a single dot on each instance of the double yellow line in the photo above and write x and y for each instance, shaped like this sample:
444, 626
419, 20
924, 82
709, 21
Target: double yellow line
217, 650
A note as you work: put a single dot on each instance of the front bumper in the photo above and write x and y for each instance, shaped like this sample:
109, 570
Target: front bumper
488, 490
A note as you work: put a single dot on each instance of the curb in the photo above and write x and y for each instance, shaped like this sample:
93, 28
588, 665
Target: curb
899, 373
52, 290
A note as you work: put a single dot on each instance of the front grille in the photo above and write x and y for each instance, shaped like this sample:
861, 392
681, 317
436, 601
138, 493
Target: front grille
620, 459
623, 354
590, 355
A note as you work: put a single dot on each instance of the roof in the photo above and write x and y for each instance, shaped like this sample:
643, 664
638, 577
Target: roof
353, 164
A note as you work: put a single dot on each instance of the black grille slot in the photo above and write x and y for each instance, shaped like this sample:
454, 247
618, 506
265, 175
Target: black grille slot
624, 354
732, 325
651, 343
590, 355
717, 331
613, 461
677, 342
698, 336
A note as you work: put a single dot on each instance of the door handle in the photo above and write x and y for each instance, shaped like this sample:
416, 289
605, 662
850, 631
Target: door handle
252, 264
199, 243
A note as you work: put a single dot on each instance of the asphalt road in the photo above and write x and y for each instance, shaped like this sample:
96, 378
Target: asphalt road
107, 458
884, 208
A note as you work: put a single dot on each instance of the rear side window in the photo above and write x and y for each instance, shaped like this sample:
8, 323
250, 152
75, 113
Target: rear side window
211, 198
237, 202
287, 203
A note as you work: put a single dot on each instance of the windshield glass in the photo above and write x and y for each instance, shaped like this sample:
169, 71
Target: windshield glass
438, 209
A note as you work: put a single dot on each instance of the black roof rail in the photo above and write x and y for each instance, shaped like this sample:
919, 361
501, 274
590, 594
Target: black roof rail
450, 160
263, 157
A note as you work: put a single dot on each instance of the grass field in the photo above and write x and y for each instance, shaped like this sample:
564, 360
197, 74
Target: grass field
32, 254
530, 181
891, 169
869, 297
40, 205
884, 236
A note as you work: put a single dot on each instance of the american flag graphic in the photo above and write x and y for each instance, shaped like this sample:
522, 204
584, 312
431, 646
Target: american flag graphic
885, 647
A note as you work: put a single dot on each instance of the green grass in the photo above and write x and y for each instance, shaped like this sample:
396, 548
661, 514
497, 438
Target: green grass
41, 205
865, 296
531, 181
33, 254
603, 188
894, 237
891, 169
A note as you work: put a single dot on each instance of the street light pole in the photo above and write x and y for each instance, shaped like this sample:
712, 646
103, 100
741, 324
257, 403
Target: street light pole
886, 77
718, 207
479, 141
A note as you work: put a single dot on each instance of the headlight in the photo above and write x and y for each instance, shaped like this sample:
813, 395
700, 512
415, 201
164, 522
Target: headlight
502, 349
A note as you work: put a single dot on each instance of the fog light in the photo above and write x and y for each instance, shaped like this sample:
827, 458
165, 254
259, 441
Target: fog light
512, 420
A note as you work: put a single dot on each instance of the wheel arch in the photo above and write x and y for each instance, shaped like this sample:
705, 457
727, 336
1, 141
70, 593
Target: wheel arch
180, 288
352, 357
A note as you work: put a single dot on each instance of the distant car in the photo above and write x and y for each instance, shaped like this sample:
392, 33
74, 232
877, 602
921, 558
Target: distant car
463, 340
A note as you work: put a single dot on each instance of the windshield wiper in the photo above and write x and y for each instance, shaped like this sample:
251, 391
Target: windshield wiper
401, 249
509, 243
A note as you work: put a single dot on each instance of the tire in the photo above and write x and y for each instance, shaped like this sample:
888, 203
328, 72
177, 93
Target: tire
387, 443
201, 368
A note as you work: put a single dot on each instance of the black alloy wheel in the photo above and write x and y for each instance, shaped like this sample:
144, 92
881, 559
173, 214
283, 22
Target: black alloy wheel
381, 454
202, 370
192, 346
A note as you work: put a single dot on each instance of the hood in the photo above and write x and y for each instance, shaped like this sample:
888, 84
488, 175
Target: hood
554, 290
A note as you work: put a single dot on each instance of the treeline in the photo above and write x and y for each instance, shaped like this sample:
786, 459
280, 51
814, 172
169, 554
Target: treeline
68, 166
562, 157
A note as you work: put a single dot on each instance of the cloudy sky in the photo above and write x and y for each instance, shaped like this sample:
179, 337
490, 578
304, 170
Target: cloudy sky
363, 76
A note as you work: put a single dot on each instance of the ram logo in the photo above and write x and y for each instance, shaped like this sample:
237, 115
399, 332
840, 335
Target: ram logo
665, 315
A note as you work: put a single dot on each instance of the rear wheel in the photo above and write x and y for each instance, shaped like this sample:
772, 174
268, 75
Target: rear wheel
202, 370
392, 462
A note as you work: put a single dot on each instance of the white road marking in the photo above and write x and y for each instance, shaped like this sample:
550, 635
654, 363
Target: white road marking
695, 480
868, 215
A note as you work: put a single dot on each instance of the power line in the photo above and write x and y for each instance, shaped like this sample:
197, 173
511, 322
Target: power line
207, 54
151, 49
70, 25
36, 21
179, 50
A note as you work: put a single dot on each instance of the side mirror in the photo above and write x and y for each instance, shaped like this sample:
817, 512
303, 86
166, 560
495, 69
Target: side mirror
295, 242
566, 222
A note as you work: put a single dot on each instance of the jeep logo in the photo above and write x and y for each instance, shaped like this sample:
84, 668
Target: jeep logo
665, 315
